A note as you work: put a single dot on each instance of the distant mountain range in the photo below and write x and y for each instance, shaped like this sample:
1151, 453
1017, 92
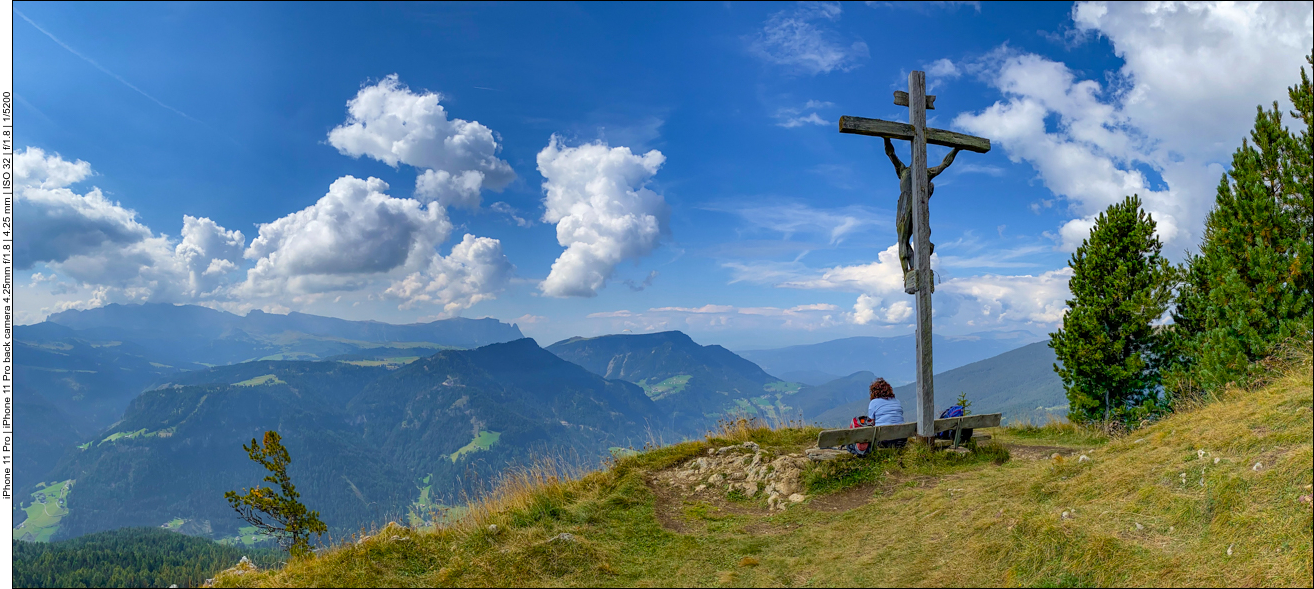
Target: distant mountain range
76, 372
119, 409
194, 337
1020, 383
892, 358
691, 383
368, 443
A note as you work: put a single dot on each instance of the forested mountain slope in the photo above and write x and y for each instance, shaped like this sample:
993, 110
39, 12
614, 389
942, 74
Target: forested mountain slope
131, 557
76, 372
368, 442
692, 383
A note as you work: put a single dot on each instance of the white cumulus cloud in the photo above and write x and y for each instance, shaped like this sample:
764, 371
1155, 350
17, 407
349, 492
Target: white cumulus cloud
1193, 74
101, 245
986, 301
352, 233
58, 223
392, 124
475, 271
208, 253
994, 300
882, 277
357, 237
598, 197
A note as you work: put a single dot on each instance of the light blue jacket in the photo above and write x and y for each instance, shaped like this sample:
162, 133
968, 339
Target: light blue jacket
885, 411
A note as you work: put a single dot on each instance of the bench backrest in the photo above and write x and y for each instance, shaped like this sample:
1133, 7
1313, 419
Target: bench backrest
835, 438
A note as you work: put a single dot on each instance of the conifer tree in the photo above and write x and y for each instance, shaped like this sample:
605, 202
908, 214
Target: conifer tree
1109, 350
1249, 288
278, 514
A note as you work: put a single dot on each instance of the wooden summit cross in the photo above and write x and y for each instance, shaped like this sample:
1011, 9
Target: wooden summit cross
917, 102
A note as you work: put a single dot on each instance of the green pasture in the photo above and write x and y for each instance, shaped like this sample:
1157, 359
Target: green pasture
43, 518
483, 441
260, 380
666, 387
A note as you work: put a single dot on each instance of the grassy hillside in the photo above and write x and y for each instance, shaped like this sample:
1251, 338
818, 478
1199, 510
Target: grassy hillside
1218, 495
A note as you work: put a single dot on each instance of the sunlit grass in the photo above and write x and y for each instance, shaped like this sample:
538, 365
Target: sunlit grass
1163, 505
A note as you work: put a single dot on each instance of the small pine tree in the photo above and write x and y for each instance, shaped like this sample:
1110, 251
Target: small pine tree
1249, 288
962, 401
1108, 349
288, 520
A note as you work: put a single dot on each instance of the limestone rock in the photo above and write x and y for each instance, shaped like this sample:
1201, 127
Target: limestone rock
822, 455
797, 498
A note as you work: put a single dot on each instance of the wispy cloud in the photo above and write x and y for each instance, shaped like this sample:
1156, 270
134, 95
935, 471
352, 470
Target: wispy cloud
790, 117
793, 218
799, 40
639, 286
806, 317
927, 7
971, 251
790, 122
109, 73
995, 171
511, 212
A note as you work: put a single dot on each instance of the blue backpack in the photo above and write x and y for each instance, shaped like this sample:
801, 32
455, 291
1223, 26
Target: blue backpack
955, 411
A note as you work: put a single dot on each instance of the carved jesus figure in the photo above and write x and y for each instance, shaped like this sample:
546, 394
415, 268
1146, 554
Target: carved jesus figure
903, 221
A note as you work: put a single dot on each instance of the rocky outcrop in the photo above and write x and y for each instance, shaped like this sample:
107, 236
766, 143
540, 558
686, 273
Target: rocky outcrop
745, 469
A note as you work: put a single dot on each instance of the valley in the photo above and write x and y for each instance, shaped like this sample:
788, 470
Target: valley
389, 429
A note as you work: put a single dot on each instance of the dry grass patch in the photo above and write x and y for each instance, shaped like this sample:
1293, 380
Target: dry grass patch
1160, 506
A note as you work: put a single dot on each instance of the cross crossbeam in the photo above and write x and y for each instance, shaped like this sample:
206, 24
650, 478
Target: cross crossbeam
904, 131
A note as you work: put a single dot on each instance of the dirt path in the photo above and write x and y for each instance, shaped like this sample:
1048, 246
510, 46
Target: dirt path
668, 506
845, 500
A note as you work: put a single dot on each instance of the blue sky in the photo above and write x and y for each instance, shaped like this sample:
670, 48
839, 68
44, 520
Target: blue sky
581, 169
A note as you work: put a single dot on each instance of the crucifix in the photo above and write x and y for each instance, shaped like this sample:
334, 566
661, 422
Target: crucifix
913, 221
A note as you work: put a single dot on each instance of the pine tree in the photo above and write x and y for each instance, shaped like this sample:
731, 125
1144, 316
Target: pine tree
1249, 288
1109, 350
288, 520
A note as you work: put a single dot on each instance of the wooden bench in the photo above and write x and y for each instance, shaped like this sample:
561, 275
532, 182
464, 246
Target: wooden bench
835, 438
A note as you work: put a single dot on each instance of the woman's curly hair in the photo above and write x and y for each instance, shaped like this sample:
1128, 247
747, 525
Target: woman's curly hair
881, 389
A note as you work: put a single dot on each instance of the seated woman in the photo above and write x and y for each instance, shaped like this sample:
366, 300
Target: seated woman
884, 409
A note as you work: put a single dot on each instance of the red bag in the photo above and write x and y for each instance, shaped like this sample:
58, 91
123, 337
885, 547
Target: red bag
861, 421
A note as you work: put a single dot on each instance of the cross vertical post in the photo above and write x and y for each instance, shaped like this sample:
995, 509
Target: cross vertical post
915, 189
922, 255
